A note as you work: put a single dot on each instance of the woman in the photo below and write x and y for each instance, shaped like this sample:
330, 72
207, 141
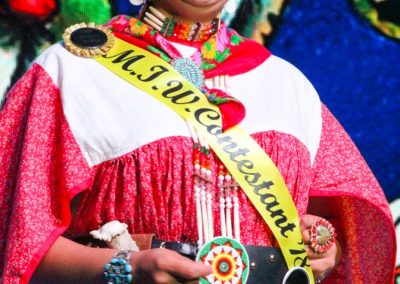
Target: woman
74, 134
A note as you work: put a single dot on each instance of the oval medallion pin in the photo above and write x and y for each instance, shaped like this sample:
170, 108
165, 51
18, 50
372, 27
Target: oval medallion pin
88, 40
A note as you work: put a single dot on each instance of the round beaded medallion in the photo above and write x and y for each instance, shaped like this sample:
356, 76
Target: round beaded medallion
189, 70
228, 259
322, 236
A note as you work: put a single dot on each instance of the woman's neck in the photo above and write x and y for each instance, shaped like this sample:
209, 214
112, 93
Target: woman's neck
194, 11
179, 17
176, 27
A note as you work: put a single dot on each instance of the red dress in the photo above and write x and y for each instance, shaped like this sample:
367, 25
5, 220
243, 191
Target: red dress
69, 126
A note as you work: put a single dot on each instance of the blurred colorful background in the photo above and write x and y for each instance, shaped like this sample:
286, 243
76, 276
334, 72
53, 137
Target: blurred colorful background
349, 49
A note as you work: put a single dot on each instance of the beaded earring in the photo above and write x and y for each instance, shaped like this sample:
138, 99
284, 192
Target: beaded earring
231, 6
137, 2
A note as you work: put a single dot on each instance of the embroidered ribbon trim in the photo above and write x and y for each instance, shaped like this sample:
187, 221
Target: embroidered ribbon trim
252, 168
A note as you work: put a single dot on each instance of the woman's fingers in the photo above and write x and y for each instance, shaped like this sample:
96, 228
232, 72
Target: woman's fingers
183, 267
166, 266
162, 277
321, 247
307, 221
306, 236
319, 268
311, 254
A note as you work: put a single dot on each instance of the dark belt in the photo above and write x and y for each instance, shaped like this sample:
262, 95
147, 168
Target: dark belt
267, 264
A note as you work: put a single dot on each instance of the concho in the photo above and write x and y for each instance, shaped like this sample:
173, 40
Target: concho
189, 70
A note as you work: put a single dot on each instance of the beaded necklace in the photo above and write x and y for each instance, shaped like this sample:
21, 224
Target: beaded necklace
202, 186
176, 30
213, 48
208, 56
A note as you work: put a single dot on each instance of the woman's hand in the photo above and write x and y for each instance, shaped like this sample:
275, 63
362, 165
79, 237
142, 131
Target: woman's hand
165, 266
321, 264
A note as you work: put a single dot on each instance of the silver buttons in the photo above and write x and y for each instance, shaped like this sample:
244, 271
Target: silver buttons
272, 258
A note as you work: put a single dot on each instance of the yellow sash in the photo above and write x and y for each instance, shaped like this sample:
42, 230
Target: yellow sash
244, 158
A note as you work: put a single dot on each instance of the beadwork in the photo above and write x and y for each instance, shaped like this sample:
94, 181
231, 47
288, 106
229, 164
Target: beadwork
171, 28
189, 32
211, 52
228, 199
322, 236
229, 260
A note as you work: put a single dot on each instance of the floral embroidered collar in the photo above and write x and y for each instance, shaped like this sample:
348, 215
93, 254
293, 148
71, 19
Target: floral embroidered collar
211, 53
224, 53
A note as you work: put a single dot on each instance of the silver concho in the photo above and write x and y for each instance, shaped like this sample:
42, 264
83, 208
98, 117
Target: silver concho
189, 70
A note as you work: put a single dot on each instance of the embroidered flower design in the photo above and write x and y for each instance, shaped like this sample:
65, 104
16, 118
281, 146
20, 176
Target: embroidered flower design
119, 21
236, 39
138, 28
208, 50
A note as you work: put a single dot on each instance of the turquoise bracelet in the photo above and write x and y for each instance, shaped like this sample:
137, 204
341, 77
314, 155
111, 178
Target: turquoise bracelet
119, 271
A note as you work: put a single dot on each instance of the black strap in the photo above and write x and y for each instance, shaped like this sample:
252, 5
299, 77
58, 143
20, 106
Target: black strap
267, 264
189, 250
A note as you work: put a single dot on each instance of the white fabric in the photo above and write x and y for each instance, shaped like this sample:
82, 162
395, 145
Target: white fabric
110, 117
186, 51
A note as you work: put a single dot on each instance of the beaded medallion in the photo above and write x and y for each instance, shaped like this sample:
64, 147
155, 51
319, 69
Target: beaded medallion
322, 236
228, 259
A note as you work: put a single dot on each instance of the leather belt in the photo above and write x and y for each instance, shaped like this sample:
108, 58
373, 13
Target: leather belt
189, 250
267, 264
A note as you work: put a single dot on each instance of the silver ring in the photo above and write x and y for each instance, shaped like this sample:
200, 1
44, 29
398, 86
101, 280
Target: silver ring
323, 276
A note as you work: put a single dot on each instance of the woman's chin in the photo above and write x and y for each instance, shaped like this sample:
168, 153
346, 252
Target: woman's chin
203, 3
194, 10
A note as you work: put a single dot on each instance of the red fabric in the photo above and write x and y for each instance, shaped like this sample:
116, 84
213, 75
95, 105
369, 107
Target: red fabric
246, 56
40, 9
345, 190
131, 39
150, 189
240, 55
41, 169
232, 110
